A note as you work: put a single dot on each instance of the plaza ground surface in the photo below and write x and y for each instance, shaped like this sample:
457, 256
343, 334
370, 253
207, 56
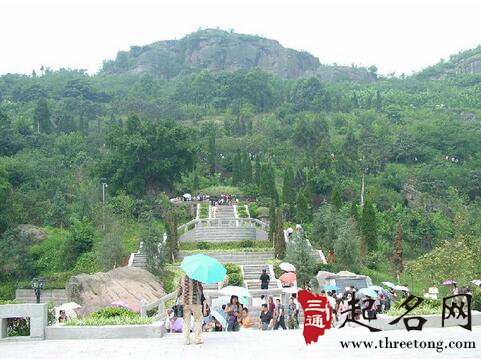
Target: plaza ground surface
249, 344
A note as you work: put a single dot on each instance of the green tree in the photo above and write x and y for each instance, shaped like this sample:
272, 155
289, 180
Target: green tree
289, 190
303, 208
212, 151
369, 226
336, 199
298, 253
258, 171
110, 250
237, 169
172, 244
80, 240
41, 117
153, 246
272, 220
59, 211
346, 247
279, 239
397, 258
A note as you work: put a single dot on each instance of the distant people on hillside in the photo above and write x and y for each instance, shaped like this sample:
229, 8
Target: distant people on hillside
265, 279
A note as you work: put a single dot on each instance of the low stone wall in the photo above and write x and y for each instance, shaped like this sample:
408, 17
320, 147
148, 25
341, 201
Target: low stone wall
55, 296
432, 321
59, 332
36, 312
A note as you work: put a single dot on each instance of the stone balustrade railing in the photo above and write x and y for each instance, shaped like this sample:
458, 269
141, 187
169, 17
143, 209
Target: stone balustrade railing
222, 222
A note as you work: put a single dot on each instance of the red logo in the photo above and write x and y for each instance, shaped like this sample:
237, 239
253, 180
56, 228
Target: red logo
317, 315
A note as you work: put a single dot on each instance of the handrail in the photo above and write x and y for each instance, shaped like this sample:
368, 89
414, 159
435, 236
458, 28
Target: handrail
221, 222
159, 303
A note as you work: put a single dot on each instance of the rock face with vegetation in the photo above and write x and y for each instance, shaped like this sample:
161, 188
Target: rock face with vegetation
129, 284
218, 50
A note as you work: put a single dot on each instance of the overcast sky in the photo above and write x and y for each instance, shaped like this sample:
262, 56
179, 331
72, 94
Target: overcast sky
396, 35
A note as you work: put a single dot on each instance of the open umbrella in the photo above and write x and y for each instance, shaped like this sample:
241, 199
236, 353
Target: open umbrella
217, 303
290, 290
287, 267
203, 268
368, 292
376, 288
401, 287
477, 282
449, 282
389, 284
121, 304
330, 287
288, 277
216, 314
235, 290
69, 306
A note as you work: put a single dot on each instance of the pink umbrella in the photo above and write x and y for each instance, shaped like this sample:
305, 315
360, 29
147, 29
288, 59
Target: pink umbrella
289, 277
121, 304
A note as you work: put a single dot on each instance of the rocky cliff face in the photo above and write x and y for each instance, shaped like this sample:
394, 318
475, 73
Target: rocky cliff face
219, 50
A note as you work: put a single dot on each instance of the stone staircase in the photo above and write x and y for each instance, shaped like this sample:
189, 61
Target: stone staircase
224, 212
219, 233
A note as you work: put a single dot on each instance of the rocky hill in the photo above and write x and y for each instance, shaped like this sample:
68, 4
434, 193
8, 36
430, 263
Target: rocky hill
466, 62
219, 50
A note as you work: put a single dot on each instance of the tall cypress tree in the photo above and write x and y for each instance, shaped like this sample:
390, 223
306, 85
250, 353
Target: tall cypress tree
271, 182
279, 240
258, 172
336, 199
303, 210
397, 258
237, 169
288, 190
369, 226
272, 220
247, 165
211, 151
41, 117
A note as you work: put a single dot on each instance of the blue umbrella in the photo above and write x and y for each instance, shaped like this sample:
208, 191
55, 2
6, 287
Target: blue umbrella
330, 287
203, 268
369, 292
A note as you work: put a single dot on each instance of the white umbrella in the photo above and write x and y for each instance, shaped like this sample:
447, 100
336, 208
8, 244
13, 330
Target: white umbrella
217, 303
69, 306
235, 290
187, 195
287, 267
290, 290
400, 287
389, 284
477, 282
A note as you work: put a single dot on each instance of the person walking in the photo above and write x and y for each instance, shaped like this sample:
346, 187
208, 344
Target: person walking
292, 321
279, 317
190, 295
265, 279
265, 317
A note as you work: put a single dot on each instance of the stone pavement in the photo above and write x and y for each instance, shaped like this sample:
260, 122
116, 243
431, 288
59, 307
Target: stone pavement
249, 344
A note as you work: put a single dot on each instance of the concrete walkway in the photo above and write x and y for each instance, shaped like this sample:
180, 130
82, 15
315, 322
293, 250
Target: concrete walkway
249, 344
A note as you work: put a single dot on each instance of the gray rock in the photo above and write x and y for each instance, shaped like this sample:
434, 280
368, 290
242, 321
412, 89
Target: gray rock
129, 284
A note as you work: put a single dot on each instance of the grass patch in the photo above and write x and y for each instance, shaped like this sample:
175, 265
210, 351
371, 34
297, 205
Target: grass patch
122, 320
204, 211
220, 190
244, 245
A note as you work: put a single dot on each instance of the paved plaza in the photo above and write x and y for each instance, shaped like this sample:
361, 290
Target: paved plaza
248, 344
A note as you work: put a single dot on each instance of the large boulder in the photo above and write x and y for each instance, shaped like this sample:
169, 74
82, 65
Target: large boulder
36, 234
129, 284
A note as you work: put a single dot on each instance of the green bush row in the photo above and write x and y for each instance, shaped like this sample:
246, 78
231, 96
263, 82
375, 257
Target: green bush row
244, 244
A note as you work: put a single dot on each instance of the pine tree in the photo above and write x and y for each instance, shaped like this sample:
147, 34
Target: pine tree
288, 187
236, 169
272, 221
258, 172
346, 247
59, 214
212, 152
279, 239
336, 199
369, 227
247, 169
298, 253
378, 101
397, 258
271, 183
303, 210
172, 242
353, 212
41, 117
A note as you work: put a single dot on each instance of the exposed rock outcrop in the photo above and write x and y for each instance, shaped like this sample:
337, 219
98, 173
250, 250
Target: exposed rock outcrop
218, 50
129, 284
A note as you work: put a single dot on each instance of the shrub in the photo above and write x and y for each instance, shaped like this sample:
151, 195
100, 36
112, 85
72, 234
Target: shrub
203, 245
86, 263
476, 301
247, 243
428, 306
232, 268
112, 312
277, 270
242, 211
204, 210
236, 279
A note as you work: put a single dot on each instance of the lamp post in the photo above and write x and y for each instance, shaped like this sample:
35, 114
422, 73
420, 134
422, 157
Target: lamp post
38, 284
104, 186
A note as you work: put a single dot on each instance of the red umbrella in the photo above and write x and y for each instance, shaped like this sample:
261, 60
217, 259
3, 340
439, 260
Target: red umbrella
289, 277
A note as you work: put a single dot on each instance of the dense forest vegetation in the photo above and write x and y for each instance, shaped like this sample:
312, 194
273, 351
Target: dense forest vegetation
303, 145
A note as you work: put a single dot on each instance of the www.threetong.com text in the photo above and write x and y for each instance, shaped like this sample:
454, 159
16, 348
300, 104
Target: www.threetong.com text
385, 343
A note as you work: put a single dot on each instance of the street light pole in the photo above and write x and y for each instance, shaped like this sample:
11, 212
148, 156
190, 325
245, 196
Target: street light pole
38, 284
104, 186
